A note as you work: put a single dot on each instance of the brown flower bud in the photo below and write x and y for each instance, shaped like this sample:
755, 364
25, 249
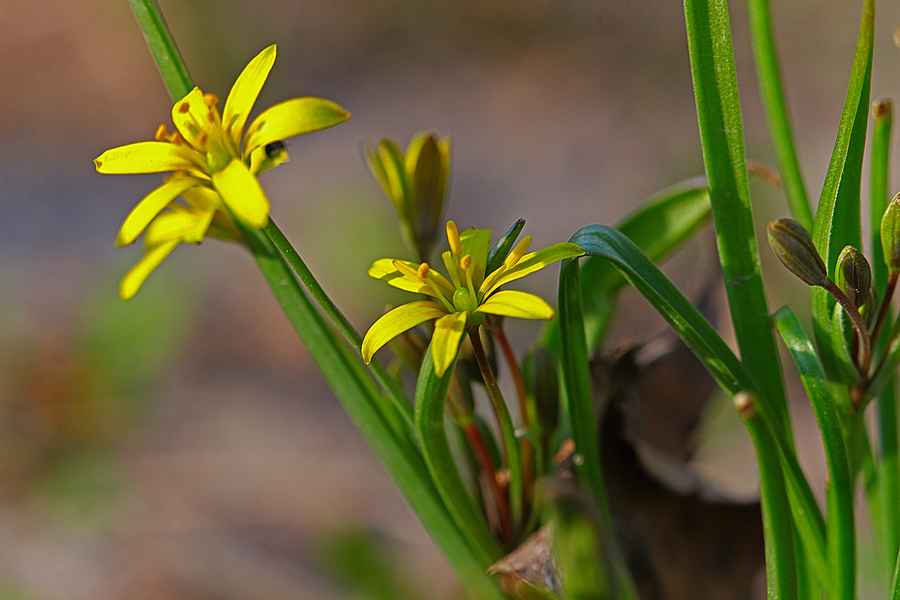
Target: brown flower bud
794, 247
853, 275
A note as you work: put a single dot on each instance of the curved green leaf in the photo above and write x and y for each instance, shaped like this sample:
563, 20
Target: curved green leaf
431, 395
722, 139
667, 220
688, 323
841, 533
837, 223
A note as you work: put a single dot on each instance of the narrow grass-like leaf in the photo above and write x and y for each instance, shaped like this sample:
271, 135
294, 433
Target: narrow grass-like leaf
837, 222
660, 226
885, 511
708, 346
162, 46
431, 395
841, 532
778, 528
722, 139
769, 75
895, 583
688, 323
581, 416
403, 461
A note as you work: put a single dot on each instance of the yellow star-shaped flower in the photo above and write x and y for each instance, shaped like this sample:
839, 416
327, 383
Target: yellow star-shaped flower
214, 164
466, 297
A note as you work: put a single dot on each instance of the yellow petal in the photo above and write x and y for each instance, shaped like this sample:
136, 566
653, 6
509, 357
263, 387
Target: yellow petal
147, 157
241, 192
290, 118
133, 280
385, 270
244, 92
177, 224
148, 208
448, 331
396, 322
530, 263
191, 117
512, 303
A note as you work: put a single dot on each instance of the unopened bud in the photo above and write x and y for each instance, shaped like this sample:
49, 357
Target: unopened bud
890, 235
853, 276
794, 247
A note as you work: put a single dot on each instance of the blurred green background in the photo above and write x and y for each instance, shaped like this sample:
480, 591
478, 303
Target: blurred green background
181, 445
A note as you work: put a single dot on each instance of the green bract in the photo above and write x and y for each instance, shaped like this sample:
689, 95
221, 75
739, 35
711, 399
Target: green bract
464, 298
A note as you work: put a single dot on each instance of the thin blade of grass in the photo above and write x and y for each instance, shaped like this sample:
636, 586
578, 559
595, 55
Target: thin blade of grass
769, 75
658, 228
431, 395
841, 531
838, 222
722, 139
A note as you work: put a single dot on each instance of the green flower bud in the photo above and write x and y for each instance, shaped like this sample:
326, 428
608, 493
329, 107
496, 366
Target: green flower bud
794, 247
853, 276
428, 173
541, 388
416, 183
890, 235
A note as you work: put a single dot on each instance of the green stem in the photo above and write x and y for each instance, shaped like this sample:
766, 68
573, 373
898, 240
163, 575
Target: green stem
773, 97
778, 528
337, 317
358, 394
889, 465
507, 429
162, 46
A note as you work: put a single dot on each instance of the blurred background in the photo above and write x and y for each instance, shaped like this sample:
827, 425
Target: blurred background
182, 445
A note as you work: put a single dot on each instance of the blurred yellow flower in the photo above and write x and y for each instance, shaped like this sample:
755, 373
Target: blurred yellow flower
214, 165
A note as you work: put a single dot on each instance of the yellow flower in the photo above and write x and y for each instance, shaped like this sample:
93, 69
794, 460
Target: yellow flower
464, 298
214, 164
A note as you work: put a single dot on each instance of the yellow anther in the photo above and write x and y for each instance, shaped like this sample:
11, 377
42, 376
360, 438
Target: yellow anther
210, 100
453, 238
423, 270
161, 133
465, 262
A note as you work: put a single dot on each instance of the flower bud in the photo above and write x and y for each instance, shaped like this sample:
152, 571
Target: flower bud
794, 247
416, 183
890, 235
853, 276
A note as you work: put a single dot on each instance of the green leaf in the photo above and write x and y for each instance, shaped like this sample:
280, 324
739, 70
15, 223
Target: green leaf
688, 323
841, 535
579, 407
775, 104
369, 410
431, 394
721, 136
837, 221
162, 46
666, 221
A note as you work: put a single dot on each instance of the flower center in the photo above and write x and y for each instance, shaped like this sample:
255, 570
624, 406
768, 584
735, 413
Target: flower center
463, 301
207, 134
